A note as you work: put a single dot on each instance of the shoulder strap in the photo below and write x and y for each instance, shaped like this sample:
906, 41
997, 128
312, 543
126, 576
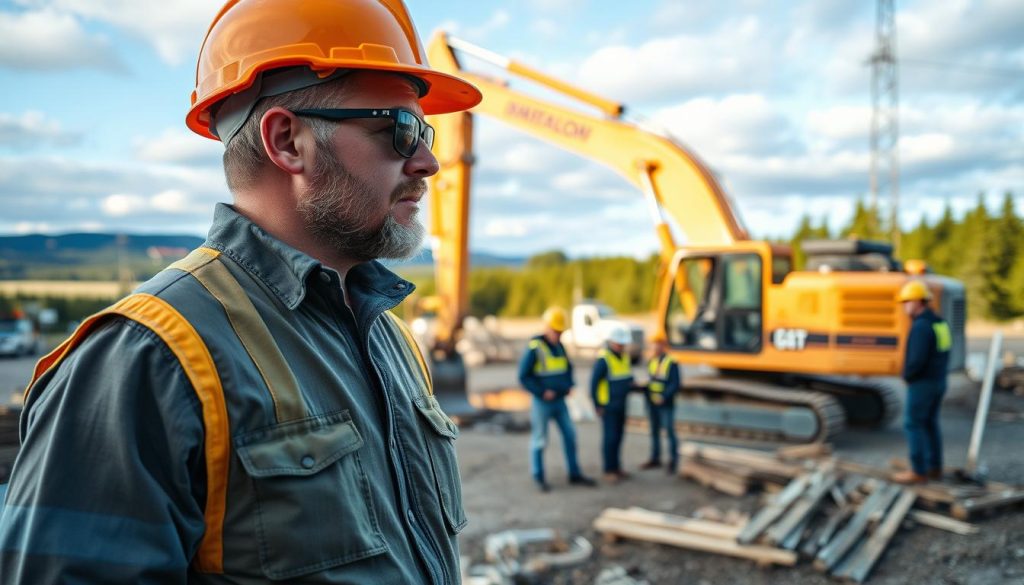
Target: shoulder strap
195, 359
204, 265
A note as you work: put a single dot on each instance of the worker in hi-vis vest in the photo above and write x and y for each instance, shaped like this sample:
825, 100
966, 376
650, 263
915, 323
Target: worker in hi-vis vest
925, 366
610, 384
546, 372
663, 383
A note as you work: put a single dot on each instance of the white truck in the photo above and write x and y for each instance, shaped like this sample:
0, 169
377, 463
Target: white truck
18, 337
592, 321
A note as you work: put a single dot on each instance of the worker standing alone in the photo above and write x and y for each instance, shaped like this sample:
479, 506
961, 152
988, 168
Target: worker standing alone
662, 386
924, 369
610, 383
546, 372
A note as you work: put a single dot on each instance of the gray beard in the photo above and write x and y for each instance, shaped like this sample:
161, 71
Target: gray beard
336, 209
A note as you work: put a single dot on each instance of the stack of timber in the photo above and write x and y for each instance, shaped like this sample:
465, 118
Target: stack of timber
685, 532
738, 471
837, 515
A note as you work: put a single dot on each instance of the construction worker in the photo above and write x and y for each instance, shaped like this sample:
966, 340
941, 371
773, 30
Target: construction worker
255, 412
546, 372
610, 384
663, 384
924, 369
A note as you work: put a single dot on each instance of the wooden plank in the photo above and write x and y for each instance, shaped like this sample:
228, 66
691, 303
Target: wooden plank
761, 554
792, 540
829, 556
965, 508
757, 460
860, 565
801, 511
660, 519
768, 514
807, 451
943, 522
715, 478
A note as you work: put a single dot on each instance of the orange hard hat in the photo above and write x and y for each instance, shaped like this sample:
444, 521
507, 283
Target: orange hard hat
658, 337
249, 37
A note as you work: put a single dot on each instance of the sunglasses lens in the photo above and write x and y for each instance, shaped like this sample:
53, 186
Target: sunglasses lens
428, 136
406, 134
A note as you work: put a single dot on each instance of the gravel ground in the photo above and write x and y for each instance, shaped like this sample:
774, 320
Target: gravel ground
500, 496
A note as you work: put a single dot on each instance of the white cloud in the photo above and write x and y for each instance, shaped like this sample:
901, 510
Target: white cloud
119, 204
170, 201
174, 29
179, 146
52, 41
841, 122
498, 20
33, 129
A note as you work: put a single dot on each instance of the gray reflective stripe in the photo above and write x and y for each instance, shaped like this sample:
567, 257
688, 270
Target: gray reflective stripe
203, 264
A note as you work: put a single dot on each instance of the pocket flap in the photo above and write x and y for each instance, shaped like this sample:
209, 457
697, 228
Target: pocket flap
298, 448
431, 410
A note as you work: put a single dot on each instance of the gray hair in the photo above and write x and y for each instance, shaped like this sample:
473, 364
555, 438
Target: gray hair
244, 155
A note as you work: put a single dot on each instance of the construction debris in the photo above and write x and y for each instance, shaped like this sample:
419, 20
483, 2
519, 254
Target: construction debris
516, 554
838, 515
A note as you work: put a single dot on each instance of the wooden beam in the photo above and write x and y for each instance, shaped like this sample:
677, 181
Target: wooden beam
759, 461
768, 514
943, 522
806, 451
761, 554
662, 520
858, 567
965, 508
830, 556
801, 511
714, 477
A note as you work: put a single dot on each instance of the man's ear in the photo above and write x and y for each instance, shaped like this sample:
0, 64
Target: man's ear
282, 132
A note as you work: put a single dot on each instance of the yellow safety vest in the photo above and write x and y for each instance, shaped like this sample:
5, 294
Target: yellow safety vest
943, 336
658, 369
547, 363
619, 368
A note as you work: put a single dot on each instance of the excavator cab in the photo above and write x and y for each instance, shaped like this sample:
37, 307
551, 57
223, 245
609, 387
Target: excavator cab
716, 303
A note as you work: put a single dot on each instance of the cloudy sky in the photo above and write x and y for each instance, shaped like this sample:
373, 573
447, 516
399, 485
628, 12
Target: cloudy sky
773, 95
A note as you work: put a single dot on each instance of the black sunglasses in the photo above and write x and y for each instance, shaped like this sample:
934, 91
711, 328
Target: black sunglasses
409, 128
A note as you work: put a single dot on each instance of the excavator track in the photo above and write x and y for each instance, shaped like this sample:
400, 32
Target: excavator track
867, 403
752, 410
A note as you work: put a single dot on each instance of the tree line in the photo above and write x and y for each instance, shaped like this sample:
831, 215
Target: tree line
984, 249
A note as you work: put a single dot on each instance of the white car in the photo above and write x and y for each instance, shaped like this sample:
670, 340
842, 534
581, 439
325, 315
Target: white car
18, 337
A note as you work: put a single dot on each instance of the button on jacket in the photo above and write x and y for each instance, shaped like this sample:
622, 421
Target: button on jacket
110, 485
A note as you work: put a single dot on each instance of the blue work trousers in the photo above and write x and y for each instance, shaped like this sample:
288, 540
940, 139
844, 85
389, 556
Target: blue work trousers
540, 414
921, 422
613, 426
663, 417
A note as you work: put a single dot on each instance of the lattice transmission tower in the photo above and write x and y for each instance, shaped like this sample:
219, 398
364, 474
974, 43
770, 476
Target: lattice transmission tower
885, 128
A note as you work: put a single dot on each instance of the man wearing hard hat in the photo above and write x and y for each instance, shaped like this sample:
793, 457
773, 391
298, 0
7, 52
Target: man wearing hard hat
663, 384
610, 384
255, 412
546, 372
925, 366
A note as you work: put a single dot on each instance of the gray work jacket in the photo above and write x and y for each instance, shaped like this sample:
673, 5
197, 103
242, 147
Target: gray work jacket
110, 484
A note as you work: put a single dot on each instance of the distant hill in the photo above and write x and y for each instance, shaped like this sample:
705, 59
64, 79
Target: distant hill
99, 256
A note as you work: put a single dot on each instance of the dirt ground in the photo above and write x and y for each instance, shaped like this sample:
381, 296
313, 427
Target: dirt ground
499, 495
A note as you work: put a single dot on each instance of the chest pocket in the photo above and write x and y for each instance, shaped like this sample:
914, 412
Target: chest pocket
440, 434
315, 510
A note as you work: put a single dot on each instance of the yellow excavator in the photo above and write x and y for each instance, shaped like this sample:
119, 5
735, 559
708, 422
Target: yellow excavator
798, 353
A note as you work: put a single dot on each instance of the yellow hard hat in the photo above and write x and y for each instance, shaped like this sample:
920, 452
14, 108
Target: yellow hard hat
555, 318
250, 37
658, 337
915, 290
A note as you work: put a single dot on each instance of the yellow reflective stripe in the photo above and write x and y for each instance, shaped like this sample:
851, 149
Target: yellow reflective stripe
197, 363
619, 368
415, 349
943, 336
547, 363
603, 394
251, 330
658, 370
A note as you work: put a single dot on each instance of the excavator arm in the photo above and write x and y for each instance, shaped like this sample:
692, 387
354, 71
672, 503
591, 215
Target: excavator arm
674, 182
